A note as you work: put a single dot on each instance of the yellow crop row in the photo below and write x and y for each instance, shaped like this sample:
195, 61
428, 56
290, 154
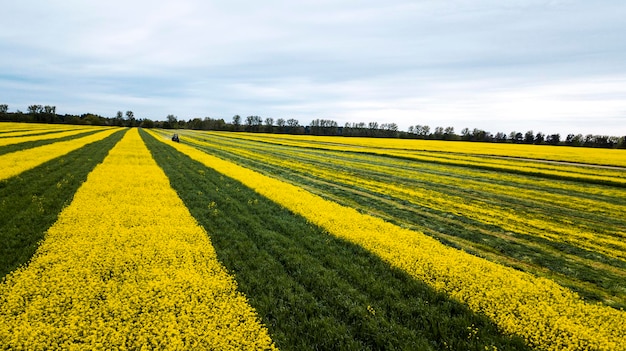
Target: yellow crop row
18, 126
547, 315
460, 158
457, 171
17, 162
507, 218
34, 131
611, 157
60, 134
446, 176
126, 266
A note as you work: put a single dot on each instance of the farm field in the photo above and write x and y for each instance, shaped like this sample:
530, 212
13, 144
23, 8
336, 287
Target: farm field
120, 238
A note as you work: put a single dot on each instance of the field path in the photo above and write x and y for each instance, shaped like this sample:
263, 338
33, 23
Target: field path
126, 266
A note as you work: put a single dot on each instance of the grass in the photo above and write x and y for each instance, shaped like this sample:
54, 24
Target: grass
594, 275
31, 144
32, 200
312, 290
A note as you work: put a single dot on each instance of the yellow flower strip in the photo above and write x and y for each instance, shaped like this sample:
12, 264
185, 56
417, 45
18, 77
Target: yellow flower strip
449, 177
377, 146
614, 157
547, 315
23, 139
540, 225
498, 176
22, 126
592, 234
126, 266
33, 131
14, 163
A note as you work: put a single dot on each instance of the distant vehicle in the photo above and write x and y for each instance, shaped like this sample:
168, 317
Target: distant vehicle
175, 138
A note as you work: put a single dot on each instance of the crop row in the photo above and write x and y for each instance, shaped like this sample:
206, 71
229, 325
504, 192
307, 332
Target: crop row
555, 170
407, 185
305, 297
5, 140
569, 232
607, 157
126, 266
314, 290
518, 302
19, 161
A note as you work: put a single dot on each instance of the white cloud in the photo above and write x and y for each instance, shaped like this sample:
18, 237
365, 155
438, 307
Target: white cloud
542, 65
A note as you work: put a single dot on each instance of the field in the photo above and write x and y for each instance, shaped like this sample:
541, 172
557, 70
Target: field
120, 238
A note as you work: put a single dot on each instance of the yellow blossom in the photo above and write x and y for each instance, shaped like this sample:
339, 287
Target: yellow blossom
547, 315
126, 266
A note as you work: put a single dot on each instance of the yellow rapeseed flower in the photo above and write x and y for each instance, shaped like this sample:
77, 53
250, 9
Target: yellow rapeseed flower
14, 163
126, 266
544, 313
55, 135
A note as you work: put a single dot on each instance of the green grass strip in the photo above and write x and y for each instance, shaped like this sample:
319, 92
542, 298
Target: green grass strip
17, 162
30, 203
126, 267
313, 290
545, 314
36, 143
53, 135
595, 276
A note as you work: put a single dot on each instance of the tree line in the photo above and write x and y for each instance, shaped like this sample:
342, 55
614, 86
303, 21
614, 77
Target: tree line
257, 124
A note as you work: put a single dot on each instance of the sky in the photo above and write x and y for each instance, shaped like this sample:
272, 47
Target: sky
495, 65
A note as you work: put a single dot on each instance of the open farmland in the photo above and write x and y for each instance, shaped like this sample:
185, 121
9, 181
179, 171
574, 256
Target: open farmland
234, 240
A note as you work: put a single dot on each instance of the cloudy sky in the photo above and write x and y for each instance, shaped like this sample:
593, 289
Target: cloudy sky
497, 65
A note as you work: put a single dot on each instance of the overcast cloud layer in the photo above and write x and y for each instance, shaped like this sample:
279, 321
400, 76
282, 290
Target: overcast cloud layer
550, 66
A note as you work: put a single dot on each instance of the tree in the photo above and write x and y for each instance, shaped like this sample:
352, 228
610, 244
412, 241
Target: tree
553, 139
269, 124
249, 122
529, 137
147, 123
388, 130
35, 109
448, 133
500, 137
438, 134
51, 110
130, 116
480, 135
539, 138
293, 126
253, 123
119, 119
466, 134
172, 122
236, 122
323, 127
4, 108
